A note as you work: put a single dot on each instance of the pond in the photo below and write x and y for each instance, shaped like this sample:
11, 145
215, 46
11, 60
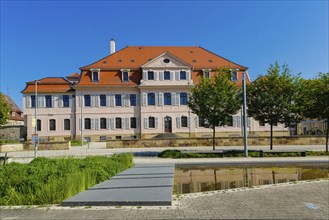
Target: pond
208, 178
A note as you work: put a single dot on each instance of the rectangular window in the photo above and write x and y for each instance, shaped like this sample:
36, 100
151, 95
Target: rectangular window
67, 124
234, 76
102, 100
261, 123
48, 101
184, 122
150, 75
151, 99
133, 122
117, 100
87, 123
33, 101
125, 77
166, 75
52, 125
66, 101
167, 98
103, 123
95, 76
182, 75
133, 99
151, 122
87, 100
206, 74
183, 98
201, 122
38, 125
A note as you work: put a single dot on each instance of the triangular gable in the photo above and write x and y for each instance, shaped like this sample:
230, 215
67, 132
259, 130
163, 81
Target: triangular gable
160, 62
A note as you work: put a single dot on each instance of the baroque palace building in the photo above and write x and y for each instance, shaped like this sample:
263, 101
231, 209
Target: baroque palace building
136, 92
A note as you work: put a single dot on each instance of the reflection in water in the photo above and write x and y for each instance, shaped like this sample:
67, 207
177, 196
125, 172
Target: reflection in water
189, 180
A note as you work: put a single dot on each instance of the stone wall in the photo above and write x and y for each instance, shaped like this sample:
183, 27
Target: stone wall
65, 145
15, 132
10, 147
223, 141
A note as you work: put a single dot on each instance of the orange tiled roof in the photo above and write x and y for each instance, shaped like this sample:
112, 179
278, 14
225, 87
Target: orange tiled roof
73, 75
49, 85
135, 56
14, 108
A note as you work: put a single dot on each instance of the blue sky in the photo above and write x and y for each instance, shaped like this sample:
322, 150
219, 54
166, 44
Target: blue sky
56, 38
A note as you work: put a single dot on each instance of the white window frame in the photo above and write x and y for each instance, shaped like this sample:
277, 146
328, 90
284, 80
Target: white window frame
122, 74
206, 73
92, 75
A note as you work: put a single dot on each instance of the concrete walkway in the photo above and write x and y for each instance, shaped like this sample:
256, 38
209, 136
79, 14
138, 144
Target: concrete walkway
141, 185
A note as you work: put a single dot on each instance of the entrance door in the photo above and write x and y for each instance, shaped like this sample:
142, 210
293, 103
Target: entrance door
167, 124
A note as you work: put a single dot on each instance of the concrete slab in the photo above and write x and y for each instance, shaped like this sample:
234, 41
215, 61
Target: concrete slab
150, 184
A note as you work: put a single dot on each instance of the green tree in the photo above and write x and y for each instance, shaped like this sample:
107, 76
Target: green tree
4, 110
215, 100
314, 98
271, 98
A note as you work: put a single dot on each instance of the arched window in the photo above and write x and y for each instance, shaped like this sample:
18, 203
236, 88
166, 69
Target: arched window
103, 123
183, 98
67, 124
52, 125
87, 123
118, 123
184, 122
167, 98
151, 122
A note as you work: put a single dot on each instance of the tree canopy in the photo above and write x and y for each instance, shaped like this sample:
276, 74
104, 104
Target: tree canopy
215, 100
271, 98
4, 110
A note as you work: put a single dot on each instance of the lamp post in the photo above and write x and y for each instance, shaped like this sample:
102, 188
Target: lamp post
36, 140
245, 141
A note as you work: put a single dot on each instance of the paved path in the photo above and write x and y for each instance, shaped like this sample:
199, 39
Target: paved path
305, 200
150, 184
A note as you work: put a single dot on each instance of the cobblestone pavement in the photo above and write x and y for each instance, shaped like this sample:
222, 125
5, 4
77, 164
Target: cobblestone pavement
302, 200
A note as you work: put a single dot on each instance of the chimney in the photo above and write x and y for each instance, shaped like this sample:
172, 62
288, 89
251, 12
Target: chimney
112, 46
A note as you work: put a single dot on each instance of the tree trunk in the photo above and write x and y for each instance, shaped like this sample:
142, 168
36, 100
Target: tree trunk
327, 134
213, 137
271, 138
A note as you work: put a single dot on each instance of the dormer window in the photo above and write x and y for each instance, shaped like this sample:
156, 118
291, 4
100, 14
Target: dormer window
95, 75
206, 73
125, 75
234, 76
150, 75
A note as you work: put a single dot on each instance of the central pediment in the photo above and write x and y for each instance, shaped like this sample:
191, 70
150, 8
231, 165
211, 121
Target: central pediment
166, 60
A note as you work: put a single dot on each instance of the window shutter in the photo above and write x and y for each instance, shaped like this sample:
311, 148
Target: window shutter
96, 100
127, 100
144, 75
188, 76
178, 122
146, 123
92, 123
70, 100
144, 98
160, 98
161, 75
155, 75
127, 123
177, 98
173, 98
177, 75
107, 100
238, 121
196, 121
187, 96
112, 123
97, 123
248, 122
123, 100
123, 123
157, 98
156, 122
28, 101
188, 122
60, 101
137, 99
107, 123
92, 101
81, 101
112, 100
53, 101
80, 124
171, 75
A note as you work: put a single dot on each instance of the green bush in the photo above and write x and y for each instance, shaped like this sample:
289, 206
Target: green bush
9, 142
50, 181
75, 143
170, 154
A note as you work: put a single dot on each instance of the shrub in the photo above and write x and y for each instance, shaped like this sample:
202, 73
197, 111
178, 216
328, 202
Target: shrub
170, 154
49, 181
